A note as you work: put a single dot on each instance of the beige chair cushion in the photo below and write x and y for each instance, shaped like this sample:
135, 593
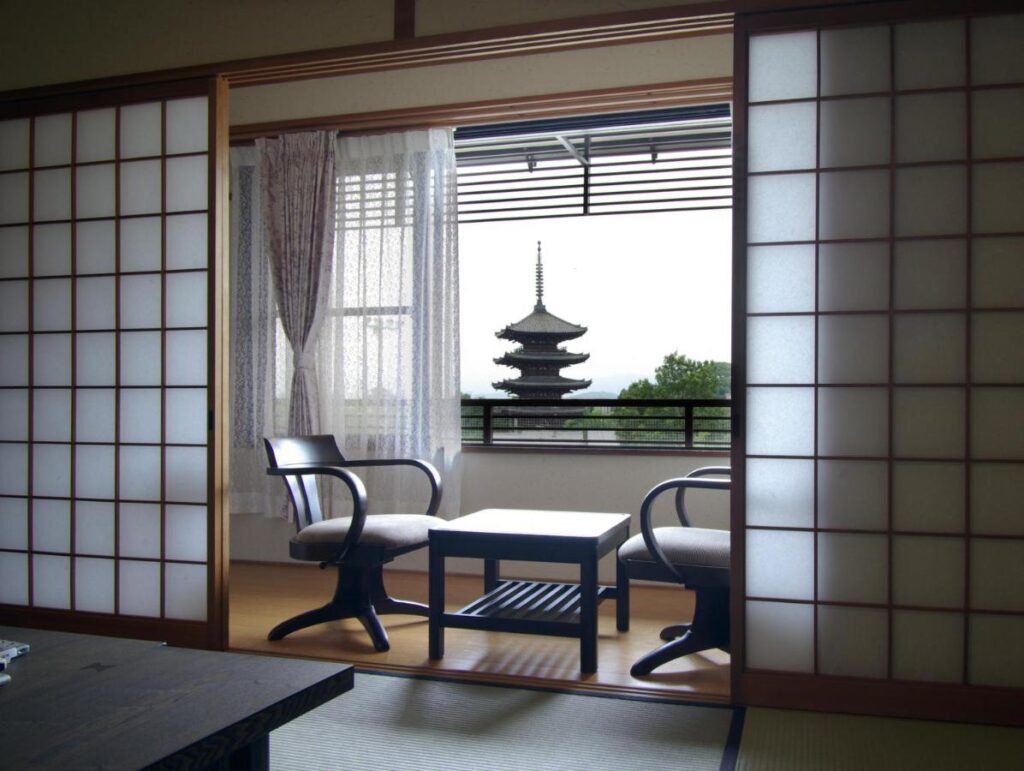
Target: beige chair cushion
392, 531
683, 546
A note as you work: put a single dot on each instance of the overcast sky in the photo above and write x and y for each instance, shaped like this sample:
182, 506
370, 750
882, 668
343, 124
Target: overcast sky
644, 285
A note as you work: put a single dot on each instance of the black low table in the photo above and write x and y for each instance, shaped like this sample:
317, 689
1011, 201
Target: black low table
83, 701
533, 607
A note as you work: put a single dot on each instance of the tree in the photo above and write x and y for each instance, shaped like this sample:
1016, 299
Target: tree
680, 377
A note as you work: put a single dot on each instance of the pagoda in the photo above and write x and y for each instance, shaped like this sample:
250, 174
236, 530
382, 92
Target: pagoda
539, 357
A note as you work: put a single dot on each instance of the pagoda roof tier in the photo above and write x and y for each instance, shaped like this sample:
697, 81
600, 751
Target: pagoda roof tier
542, 382
513, 358
541, 325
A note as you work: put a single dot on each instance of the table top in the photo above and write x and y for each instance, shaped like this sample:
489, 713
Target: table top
86, 701
535, 523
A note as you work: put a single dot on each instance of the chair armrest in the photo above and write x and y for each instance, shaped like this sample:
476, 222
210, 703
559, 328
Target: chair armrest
355, 486
432, 476
684, 518
646, 526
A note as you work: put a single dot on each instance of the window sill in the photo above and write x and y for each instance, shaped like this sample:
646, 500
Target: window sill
569, 450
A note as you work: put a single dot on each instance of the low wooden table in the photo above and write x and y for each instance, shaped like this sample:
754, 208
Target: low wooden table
83, 701
532, 607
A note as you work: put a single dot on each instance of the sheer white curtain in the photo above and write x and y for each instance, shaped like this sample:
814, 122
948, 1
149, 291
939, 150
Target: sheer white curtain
389, 348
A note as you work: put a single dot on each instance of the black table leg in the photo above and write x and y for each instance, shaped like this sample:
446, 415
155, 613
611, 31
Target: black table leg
621, 596
588, 614
436, 625
491, 568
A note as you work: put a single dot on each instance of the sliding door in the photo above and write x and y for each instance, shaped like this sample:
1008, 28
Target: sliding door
880, 301
110, 375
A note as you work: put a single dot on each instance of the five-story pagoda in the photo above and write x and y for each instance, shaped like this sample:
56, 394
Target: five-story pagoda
539, 357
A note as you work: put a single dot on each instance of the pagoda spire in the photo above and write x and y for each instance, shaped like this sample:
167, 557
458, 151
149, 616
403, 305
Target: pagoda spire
540, 282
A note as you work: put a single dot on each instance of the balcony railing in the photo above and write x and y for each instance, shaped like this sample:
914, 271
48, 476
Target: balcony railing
675, 424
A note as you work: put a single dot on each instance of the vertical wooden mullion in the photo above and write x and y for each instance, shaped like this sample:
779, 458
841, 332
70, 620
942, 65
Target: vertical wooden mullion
968, 353
891, 388
817, 319
117, 360
30, 446
74, 354
163, 357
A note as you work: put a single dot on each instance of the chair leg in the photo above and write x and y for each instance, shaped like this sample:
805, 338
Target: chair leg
328, 612
674, 631
709, 629
384, 604
375, 629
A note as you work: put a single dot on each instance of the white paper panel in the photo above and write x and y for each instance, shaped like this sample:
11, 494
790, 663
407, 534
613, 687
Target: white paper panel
140, 529
783, 66
95, 134
140, 302
943, 262
996, 52
185, 590
782, 137
95, 303
780, 349
51, 525
94, 527
928, 497
140, 244
94, 585
928, 572
187, 125
140, 415
141, 187
13, 523
13, 579
997, 650
997, 117
51, 365
95, 358
94, 471
186, 474
852, 642
931, 200
14, 144
51, 308
53, 140
51, 195
997, 355
51, 415
13, 252
13, 469
780, 636
51, 250
855, 132
998, 189
95, 193
140, 130
95, 246
927, 646
187, 241
928, 422
186, 533
853, 421
51, 584
186, 299
780, 492
996, 492
853, 568
998, 268
780, 208
14, 306
186, 415
780, 564
140, 473
930, 54
929, 348
853, 349
855, 61
854, 204
51, 469
94, 415
853, 494
780, 421
14, 414
14, 355
187, 183
780, 279
996, 417
997, 574
139, 588
13, 198
931, 127
186, 358
140, 358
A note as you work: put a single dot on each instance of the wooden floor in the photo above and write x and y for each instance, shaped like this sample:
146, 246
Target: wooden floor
264, 594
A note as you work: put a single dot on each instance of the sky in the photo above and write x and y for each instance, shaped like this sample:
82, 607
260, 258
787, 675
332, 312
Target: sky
645, 285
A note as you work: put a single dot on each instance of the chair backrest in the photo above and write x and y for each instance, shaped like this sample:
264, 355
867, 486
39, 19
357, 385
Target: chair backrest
286, 451
715, 471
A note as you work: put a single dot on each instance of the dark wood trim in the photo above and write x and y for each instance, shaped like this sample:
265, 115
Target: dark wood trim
530, 449
405, 19
190, 634
640, 97
74, 96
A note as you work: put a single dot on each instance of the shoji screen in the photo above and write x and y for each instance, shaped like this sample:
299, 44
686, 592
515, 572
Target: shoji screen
108, 454
883, 468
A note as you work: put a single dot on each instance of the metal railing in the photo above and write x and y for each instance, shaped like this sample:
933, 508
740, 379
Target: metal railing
702, 424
